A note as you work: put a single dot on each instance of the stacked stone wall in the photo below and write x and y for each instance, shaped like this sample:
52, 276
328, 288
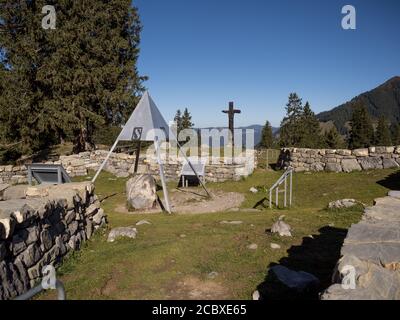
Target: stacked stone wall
341, 160
39, 226
122, 165
369, 267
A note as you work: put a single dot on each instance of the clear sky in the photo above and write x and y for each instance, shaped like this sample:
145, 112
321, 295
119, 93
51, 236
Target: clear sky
201, 54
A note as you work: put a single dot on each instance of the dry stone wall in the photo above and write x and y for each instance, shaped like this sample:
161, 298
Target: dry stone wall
122, 165
341, 160
369, 268
41, 228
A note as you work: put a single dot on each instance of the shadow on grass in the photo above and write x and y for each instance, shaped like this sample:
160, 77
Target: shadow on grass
391, 182
317, 255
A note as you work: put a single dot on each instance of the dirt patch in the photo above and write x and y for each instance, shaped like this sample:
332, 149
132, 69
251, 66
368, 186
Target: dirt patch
190, 201
192, 288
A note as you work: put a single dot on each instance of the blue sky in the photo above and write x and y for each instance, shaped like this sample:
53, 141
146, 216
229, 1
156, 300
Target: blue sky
201, 54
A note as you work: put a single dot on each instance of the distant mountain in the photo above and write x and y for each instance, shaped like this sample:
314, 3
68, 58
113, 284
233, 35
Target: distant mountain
383, 100
257, 132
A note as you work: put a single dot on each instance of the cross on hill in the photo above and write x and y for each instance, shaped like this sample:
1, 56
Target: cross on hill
231, 114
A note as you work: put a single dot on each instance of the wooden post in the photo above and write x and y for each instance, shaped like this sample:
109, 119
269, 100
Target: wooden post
138, 145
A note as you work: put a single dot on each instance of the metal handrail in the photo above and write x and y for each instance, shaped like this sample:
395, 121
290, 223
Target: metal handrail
38, 289
283, 179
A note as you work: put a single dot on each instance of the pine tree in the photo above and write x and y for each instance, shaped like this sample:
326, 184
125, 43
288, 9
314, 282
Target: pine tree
267, 139
187, 120
291, 131
23, 43
395, 130
383, 136
300, 127
67, 82
310, 129
332, 139
178, 120
362, 131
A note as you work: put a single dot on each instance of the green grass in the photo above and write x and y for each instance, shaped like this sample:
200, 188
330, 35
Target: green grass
154, 265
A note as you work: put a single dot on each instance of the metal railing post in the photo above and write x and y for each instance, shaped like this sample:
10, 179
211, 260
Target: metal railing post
291, 187
38, 289
282, 180
284, 202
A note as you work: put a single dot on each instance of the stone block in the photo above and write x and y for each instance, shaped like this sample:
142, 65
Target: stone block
333, 167
46, 240
31, 255
350, 165
390, 163
7, 225
361, 152
369, 163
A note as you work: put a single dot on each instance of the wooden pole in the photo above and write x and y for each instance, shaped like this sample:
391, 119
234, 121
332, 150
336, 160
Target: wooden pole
138, 145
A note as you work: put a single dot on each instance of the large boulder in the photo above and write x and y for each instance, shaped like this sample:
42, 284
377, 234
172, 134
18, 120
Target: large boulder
141, 192
122, 232
343, 204
282, 228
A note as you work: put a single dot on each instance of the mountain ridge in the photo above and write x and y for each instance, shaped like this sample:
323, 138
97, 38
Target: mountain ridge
382, 100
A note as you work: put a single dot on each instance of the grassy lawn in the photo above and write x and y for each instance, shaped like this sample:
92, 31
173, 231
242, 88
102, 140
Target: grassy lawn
172, 257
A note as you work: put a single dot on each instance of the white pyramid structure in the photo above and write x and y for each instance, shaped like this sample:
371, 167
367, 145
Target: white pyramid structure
145, 122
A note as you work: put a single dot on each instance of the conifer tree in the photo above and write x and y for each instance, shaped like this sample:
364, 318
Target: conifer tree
67, 82
267, 139
178, 120
362, 131
187, 120
310, 129
383, 136
290, 133
332, 139
300, 127
395, 130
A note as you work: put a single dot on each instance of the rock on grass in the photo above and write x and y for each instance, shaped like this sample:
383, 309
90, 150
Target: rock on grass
122, 232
